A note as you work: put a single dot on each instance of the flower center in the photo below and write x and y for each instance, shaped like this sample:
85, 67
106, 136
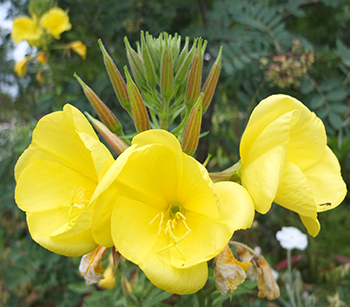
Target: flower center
170, 219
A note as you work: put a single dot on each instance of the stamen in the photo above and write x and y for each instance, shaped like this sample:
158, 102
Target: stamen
171, 218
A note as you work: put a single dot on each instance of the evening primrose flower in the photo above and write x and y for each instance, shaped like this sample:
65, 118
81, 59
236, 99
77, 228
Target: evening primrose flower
168, 217
26, 28
59, 179
285, 159
55, 22
79, 48
21, 67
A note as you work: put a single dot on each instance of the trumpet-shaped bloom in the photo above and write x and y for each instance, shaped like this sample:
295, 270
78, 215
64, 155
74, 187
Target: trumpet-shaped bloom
26, 28
285, 159
55, 22
21, 67
79, 48
59, 178
169, 217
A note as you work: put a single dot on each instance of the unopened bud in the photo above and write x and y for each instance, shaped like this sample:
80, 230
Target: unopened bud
166, 74
148, 64
136, 64
102, 110
138, 107
210, 83
193, 128
117, 80
195, 77
114, 141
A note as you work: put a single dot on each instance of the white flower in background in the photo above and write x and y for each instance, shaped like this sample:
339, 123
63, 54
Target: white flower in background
291, 237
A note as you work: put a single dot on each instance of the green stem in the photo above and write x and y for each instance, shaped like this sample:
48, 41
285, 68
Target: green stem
201, 298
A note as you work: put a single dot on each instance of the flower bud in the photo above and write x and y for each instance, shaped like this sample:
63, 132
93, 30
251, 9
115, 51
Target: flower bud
166, 73
42, 58
108, 282
102, 110
116, 143
210, 83
117, 80
138, 107
136, 64
195, 77
182, 68
193, 127
152, 51
148, 64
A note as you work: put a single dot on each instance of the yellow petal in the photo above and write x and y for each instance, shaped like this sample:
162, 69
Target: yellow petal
158, 136
178, 281
237, 206
21, 67
46, 185
306, 130
55, 22
101, 224
41, 224
312, 225
263, 157
325, 181
56, 138
26, 28
294, 192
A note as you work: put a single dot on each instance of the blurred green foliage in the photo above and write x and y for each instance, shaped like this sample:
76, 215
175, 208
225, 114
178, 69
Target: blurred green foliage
255, 35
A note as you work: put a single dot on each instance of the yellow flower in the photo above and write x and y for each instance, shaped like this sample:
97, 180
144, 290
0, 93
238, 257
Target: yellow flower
21, 67
26, 28
55, 22
42, 59
285, 159
79, 48
229, 272
168, 217
59, 178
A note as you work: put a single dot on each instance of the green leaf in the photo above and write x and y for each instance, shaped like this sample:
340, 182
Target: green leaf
336, 95
335, 120
156, 296
339, 108
343, 52
228, 68
238, 64
322, 113
306, 86
316, 102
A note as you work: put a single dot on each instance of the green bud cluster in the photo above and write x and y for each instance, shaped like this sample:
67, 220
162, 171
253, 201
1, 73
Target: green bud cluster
286, 70
163, 88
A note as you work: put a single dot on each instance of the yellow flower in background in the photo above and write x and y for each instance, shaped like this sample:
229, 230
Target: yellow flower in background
58, 180
79, 48
21, 67
26, 28
168, 217
285, 159
42, 59
55, 22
